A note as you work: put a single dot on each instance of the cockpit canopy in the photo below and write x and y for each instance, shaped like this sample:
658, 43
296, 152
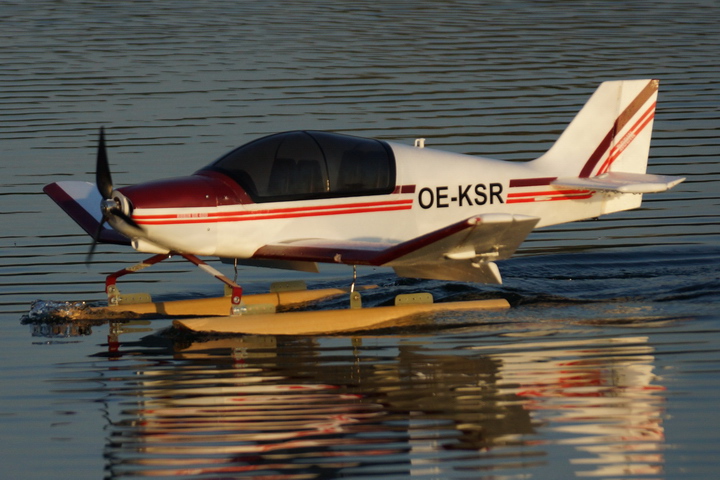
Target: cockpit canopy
303, 165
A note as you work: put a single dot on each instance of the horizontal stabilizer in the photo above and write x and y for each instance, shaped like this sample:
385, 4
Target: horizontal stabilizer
622, 182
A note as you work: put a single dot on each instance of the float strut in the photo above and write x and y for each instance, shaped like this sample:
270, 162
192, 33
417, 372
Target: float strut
355, 297
236, 290
111, 289
114, 294
352, 285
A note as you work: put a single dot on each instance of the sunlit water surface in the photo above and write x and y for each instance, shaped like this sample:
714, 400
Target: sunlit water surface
606, 366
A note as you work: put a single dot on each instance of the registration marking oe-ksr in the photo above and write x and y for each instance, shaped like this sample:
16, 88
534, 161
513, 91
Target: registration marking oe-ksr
478, 194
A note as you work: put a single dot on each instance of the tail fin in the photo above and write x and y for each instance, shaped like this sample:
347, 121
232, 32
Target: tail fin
610, 134
605, 149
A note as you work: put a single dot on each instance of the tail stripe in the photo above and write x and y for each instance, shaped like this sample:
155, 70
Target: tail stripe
620, 122
628, 138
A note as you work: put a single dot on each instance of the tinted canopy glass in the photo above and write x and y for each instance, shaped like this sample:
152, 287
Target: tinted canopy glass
307, 164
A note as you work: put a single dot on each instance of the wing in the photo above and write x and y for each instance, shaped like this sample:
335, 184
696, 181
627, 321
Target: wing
81, 201
463, 251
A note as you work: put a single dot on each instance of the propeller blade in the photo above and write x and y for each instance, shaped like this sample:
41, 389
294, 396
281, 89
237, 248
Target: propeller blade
102, 169
96, 237
110, 207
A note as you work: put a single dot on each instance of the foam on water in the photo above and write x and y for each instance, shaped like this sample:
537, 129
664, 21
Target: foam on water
49, 311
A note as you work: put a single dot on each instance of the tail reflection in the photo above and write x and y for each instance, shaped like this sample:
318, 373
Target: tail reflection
598, 394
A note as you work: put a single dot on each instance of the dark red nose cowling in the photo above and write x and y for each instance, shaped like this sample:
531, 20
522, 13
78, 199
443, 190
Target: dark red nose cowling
201, 190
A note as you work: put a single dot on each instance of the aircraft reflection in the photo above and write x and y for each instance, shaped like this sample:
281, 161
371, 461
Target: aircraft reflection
598, 392
322, 408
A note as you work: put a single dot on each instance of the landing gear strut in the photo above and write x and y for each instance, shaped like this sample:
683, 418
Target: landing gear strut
115, 298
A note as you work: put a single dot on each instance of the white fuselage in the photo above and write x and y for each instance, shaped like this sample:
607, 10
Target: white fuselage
433, 189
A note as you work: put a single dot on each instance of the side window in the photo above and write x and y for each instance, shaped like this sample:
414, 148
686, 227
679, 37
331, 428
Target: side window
298, 168
358, 166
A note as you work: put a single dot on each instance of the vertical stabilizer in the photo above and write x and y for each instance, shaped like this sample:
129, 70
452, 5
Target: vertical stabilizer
611, 133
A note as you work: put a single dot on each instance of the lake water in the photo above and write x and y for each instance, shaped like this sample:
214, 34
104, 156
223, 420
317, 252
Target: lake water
606, 366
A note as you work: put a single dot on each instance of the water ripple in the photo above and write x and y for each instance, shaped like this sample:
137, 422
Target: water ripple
271, 406
612, 325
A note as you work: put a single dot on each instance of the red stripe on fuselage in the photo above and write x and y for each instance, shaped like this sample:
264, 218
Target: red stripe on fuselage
269, 214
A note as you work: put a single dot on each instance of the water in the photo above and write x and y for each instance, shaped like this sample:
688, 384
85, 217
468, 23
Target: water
605, 367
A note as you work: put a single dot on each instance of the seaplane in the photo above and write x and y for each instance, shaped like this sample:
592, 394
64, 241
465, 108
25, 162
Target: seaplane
295, 199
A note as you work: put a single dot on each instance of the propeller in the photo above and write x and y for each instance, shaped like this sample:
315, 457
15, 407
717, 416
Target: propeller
111, 205
103, 179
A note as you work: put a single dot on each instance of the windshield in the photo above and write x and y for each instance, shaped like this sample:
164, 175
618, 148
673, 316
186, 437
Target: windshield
306, 164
